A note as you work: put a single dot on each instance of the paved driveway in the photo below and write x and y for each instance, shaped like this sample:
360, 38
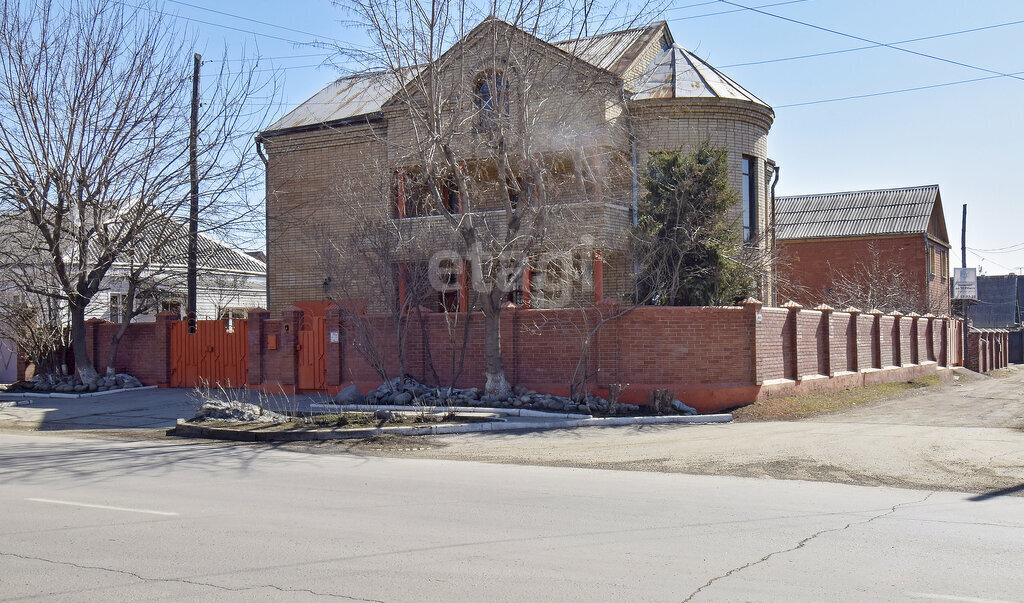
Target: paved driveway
134, 409
968, 436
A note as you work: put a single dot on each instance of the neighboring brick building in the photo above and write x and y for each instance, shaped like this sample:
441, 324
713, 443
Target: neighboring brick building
890, 238
331, 158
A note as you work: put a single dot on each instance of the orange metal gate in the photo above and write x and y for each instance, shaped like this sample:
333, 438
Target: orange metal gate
212, 355
312, 355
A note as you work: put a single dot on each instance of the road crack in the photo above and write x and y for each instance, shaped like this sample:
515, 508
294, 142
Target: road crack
142, 578
801, 544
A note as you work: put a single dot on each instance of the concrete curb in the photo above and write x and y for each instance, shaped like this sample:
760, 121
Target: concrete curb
83, 395
187, 430
11, 403
511, 412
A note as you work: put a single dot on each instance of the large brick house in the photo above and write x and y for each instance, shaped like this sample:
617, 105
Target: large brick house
889, 238
335, 157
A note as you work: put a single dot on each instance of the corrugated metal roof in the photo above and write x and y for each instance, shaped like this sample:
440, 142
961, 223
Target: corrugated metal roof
997, 302
210, 253
858, 213
344, 98
605, 50
678, 73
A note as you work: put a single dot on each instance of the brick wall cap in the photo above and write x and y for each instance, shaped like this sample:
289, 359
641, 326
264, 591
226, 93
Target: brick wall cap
852, 310
751, 301
929, 315
252, 311
95, 321
791, 305
292, 310
896, 313
875, 311
914, 315
824, 308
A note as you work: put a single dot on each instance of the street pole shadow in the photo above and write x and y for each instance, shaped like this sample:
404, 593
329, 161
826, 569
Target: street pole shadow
997, 493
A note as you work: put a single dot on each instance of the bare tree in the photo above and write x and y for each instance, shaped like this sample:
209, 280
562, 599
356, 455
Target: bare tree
494, 122
94, 119
368, 260
876, 282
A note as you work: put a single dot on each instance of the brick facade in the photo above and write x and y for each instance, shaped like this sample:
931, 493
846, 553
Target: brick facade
808, 267
322, 177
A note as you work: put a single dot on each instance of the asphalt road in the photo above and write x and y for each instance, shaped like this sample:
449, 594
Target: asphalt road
92, 520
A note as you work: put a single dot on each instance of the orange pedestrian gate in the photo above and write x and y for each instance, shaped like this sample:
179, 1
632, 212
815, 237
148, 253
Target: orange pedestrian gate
312, 354
212, 355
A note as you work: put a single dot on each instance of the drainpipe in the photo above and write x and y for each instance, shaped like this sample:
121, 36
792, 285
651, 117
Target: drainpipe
775, 249
636, 192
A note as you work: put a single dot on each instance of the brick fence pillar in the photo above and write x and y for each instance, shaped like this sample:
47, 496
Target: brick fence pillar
929, 336
333, 352
853, 361
291, 322
876, 337
753, 307
256, 343
794, 319
915, 337
942, 355
162, 348
897, 352
825, 352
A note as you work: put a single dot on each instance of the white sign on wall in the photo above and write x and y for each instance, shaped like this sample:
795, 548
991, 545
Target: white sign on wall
965, 283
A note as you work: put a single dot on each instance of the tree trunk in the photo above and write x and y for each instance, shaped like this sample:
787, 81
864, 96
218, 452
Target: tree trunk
127, 313
115, 339
83, 364
497, 384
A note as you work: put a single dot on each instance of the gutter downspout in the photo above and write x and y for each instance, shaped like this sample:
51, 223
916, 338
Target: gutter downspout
266, 213
636, 191
775, 248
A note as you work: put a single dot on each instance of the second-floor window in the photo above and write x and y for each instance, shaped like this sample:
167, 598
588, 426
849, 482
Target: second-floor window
492, 98
749, 198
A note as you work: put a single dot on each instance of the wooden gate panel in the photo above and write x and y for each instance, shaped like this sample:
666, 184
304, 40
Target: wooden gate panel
312, 354
212, 355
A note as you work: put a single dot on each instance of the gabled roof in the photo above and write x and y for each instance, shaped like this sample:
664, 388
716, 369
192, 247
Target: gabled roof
342, 99
998, 303
860, 213
617, 50
678, 73
211, 254
674, 73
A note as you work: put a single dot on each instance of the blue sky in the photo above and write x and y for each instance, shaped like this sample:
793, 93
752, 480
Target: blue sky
964, 137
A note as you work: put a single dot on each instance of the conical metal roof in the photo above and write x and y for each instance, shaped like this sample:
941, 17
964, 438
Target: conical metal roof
678, 73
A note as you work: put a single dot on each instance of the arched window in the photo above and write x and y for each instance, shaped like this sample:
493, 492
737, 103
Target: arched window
492, 98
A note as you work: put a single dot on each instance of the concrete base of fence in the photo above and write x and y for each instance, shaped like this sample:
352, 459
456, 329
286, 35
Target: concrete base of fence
848, 380
508, 412
187, 430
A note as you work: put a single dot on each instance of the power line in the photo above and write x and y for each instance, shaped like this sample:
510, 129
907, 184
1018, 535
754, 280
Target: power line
1009, 249
859, 48
898, 91
756, 9
251, 20
212, 24
734, 10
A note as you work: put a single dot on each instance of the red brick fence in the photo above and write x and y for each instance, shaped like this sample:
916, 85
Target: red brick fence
710, 357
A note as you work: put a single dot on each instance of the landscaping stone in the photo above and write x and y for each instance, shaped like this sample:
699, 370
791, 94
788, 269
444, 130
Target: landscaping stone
244, 412
350, 395
683, 409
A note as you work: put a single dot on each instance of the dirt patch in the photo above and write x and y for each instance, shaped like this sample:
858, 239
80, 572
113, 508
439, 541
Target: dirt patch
793, 408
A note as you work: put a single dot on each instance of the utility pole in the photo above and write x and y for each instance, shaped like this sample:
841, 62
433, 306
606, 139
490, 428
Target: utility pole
964, 303
193, 214
963, 240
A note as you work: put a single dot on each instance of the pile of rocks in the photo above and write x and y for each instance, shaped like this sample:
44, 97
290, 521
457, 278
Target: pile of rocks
71, 384
235, 412
407, 391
